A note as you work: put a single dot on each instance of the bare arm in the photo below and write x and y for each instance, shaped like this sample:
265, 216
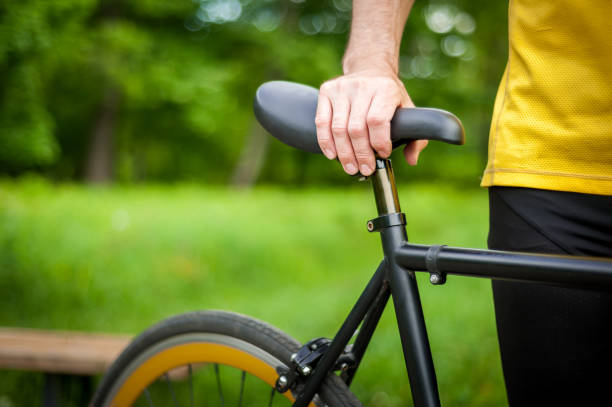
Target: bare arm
355, 109
376, 33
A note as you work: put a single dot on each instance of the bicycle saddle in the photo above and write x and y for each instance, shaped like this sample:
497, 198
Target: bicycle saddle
287, 110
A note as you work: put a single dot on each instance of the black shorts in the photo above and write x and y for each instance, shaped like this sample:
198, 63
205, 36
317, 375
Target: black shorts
556, 343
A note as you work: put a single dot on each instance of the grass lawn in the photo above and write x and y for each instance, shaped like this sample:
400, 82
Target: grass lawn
119, 259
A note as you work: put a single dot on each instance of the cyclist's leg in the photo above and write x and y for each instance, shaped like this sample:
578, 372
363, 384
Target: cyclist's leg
554, 341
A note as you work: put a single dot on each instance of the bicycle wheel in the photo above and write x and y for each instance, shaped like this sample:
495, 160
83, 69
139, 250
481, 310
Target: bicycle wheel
208, 358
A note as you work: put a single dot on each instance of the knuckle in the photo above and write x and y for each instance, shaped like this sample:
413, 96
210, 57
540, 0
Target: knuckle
389, 86
356, 128
325, 87
323, 139
360, 83
344, 152
331, 87
376, 120
338, 129
380, 144
362, 155
322, 121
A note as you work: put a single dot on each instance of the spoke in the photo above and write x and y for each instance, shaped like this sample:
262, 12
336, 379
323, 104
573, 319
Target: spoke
241, 388
171, 389
190, 384
219, 385
271, 396
148, 397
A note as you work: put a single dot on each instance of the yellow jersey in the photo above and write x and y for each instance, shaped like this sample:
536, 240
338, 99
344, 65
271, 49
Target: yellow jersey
552, 121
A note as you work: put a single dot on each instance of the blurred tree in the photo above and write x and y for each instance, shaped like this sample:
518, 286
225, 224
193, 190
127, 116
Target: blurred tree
155, 90
30, 33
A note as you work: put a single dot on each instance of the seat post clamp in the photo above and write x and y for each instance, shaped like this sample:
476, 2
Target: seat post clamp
385, 221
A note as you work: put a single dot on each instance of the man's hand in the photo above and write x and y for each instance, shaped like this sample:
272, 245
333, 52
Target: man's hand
355, 110
354, 119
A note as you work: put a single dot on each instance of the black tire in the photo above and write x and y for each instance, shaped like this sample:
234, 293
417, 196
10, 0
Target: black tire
245, 342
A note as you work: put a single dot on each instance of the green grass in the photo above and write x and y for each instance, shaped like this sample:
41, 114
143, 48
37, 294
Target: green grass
119, 259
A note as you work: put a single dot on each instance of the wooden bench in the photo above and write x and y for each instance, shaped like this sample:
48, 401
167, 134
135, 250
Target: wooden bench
63, 356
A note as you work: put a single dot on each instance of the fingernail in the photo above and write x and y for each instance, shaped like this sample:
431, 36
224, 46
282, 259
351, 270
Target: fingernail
328, 153
365, 169
350, 168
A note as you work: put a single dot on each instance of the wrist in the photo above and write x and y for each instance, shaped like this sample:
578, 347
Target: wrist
376, 64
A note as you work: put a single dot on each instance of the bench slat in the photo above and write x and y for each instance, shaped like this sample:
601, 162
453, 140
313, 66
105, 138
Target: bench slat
59, 351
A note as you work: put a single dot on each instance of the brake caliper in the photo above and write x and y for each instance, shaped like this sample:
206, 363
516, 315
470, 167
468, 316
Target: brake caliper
303, 362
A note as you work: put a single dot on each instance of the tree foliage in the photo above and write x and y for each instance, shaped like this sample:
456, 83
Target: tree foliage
182, 75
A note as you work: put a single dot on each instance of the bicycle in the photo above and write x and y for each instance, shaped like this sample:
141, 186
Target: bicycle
183, 352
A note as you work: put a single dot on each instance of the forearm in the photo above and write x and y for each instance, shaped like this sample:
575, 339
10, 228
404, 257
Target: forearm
376, 33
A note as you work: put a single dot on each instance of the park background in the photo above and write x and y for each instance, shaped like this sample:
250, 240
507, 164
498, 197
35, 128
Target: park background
135, 183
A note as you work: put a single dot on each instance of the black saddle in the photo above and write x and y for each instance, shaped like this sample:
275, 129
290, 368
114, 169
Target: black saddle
287, 110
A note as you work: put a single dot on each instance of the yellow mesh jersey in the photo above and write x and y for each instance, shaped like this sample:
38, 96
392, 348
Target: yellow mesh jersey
552, 121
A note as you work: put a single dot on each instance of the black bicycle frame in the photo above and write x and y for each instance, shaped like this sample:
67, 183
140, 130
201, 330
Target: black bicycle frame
395, 277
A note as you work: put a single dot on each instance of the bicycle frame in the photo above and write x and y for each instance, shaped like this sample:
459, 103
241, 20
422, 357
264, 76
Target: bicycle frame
395, 277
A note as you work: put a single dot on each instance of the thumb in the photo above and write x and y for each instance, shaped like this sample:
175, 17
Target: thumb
412, 151
406, 101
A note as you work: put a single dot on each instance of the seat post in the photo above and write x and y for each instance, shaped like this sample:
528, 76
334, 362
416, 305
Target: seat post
385, 191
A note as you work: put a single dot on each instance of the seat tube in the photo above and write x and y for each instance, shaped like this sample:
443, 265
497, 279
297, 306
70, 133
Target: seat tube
404, 290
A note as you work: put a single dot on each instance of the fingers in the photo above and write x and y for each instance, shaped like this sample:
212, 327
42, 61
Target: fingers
412, 151
339, 128
359, 135
379, 124
323, 124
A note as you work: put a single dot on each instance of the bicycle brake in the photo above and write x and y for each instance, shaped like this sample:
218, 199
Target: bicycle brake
305, 360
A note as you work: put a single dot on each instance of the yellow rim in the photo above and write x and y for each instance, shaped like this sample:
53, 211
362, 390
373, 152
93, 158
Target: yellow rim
184, 354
